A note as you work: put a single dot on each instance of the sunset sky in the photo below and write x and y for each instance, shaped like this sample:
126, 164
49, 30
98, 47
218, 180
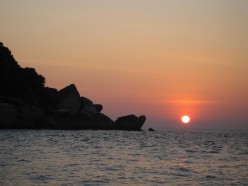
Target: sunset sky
160, 58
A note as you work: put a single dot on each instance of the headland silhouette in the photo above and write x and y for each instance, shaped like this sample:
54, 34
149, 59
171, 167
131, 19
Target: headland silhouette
26, 103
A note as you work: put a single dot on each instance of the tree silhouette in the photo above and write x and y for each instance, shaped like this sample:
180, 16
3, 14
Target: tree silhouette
15, 81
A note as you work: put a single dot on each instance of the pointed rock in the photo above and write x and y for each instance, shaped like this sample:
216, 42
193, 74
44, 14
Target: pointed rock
69, 99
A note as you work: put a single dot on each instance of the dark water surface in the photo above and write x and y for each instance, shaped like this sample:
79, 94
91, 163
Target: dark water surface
171, 157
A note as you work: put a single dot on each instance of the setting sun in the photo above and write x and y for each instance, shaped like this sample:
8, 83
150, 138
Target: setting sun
185, 119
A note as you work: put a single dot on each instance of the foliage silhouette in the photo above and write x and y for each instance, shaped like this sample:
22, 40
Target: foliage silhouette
15, 81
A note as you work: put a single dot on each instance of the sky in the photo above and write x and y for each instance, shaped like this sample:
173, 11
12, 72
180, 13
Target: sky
159, 58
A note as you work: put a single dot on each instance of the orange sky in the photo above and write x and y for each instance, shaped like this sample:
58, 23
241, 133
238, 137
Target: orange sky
161, 58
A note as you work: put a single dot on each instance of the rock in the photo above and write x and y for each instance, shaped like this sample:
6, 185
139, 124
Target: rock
49, 98
91, 109
87, 105
64, 120
8, 116
15, 114
33, 117
11, 100
151, 129
98, 107
85, 102
130, 122
50, 93
84, 119
106, 122
69, 99
97, 121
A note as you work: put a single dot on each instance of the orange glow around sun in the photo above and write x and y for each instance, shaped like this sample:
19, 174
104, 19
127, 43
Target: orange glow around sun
185, 119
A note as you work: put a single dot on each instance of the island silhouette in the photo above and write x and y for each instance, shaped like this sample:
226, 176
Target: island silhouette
26, 103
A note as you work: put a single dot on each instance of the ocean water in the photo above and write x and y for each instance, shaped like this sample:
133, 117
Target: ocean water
170, 157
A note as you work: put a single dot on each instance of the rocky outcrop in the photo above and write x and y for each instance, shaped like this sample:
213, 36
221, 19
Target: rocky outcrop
69, 99
25, 103
75, 112
130, 122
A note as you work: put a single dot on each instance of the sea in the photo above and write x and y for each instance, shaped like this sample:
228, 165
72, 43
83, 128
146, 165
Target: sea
91, 157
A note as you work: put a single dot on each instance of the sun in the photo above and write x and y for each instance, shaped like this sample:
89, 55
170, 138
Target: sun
185, 119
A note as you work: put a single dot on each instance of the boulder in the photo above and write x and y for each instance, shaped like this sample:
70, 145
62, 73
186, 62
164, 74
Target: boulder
63, 120
8, 116
97, 121
50, 94
69, 99
98, 107
105, 121
130, 122
90, 109
15, 114
85, 102
151, 129
33, 117
88, 106
82, 120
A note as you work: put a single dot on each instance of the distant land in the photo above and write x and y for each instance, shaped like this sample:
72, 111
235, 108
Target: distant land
26, 103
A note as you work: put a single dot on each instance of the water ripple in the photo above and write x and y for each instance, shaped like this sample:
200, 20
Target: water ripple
173, 157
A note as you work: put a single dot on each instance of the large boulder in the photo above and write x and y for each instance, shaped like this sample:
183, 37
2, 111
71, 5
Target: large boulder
98, 107
130, 122
85, 101
84, 119
97, 121
16, 114
48, 100
88, 106
69, 99
33, 117
105, 121
64, 120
